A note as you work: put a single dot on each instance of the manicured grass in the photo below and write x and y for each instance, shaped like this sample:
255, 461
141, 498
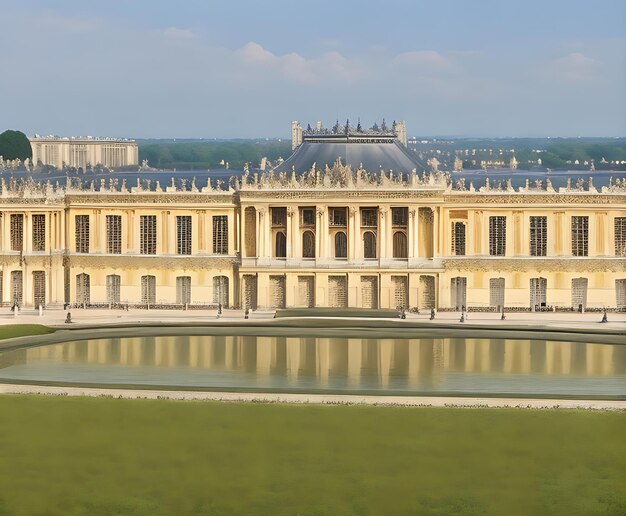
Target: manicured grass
9, 331
112, 456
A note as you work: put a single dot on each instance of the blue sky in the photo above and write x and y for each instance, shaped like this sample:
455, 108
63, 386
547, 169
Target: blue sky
247, 68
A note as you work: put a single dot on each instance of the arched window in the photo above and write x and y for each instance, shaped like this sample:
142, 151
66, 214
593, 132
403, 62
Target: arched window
83, 284
369, 245
308, 244
281, 245
399, 245
341, 245
220, 290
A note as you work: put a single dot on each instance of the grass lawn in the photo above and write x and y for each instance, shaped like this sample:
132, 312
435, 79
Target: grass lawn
9, 331
111, 456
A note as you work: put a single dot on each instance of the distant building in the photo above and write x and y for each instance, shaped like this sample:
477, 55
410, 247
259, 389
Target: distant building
80, 151
348, 134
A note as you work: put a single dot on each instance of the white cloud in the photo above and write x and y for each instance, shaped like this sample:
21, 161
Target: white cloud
179, 34
576, 67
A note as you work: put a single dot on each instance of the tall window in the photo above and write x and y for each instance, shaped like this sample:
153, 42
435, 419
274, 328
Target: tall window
114, 234
83, 287
279, 217
220, 290
281, 245
369, 245
220, 234
369, 217
341, 245
17, 232
113, 287
580, 236
82, 233
183, 234
39, 232
538, 236
308, 244
399, 216
458, 238
17, 287
620, 236
183, 290
399, 245
147, 234
148, 290
307, 217
497, 236
338, 217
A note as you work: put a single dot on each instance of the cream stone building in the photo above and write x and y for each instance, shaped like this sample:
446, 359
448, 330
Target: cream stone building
81, 151
312, 234
327, 238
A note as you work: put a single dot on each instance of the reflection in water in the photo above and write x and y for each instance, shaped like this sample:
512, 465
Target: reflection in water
488, 366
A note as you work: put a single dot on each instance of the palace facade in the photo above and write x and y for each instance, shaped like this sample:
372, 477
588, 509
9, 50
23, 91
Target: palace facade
332, 237
82, 151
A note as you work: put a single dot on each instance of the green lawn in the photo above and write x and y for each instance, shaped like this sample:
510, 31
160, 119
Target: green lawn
9, 331
109, 456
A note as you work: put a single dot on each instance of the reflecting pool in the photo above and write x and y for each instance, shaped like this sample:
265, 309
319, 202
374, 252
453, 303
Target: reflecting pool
488, 367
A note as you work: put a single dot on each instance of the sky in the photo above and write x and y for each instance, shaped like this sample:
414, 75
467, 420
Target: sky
246, 69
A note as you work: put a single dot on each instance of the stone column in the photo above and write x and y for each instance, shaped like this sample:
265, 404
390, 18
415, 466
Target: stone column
436, 235
354, 233
289, 236
412, 233
383, 235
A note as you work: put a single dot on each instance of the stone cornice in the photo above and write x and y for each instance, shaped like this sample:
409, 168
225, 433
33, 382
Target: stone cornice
522, 264
133, 261
469, 198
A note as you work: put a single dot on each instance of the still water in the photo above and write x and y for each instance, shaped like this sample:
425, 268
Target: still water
346, 365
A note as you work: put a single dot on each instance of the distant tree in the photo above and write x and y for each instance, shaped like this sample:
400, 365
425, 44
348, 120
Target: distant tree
308, 128
383, 126
375, 127
15, 145
359, 129
336, 127
346, 129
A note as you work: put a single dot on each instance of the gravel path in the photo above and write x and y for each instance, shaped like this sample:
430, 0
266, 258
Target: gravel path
409, 401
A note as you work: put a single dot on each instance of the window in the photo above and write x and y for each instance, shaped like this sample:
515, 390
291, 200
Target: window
113, 284
220, 291
369, 217
281, 245
496, 293
399, 245
399, 216
538, 289
308, 244
307, 217
620, 293
338, 217
39, 288
369, 245
17, 286
183, 290
148, 290
620, 236
83, 286
458, 293
341, 245
82, 233
114, 234
147, 235
220, 234
17, 232
279, 217
183, 234
39, 232
580, 236
458, 238
538, 236
497, 236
